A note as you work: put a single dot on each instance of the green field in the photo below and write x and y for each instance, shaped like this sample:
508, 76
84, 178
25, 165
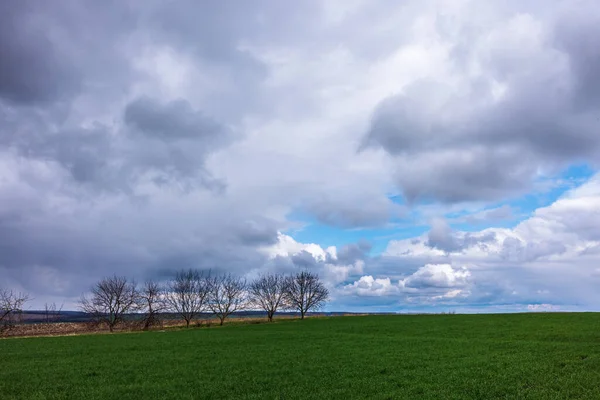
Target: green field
545, 356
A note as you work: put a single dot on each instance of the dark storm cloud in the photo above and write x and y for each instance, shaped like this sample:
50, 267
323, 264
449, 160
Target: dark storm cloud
77, 144
34, 243
51, 52
33, 68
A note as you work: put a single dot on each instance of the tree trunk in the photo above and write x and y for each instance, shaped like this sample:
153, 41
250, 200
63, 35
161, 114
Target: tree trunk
222, 320
302, 314
187, 323
270, 316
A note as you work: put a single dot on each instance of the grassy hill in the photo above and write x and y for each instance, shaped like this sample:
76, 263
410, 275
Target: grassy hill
538, 356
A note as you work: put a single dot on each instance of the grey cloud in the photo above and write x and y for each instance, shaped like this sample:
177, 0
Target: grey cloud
578, 34
35, 243
83, 152
462, 143
174, 144
91, 172
303, 259
32, 66
353, 252
516, 250
176, 120
291, 263
185, 138
354, 212
52, 52
442, 237
215, 35
258, 231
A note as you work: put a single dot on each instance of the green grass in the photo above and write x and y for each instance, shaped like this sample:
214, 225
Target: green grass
537, 356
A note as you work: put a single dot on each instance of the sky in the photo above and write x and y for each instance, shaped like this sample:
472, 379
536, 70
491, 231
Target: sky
420, 156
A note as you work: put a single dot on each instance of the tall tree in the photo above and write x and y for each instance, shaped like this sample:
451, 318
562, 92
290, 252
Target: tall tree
268, 293
305, 292
111, 299
187, 293
228, 294
11, 308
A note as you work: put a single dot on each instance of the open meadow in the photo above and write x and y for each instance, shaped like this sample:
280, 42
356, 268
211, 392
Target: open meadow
512, 356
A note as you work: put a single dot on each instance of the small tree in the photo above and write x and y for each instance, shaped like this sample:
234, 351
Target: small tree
227, 295
11, 308
268, 293
187, 293
304, 292
152, 302
51, 312
111, 299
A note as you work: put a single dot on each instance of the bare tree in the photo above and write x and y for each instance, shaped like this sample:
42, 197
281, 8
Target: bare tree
51, 312
304, 292
228, 294
268, 293
152, 301
111, 299
11, 308
187, 293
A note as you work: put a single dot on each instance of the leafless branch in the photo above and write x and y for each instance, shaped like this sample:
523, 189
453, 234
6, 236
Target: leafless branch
187, 293
111, 299
227, 295
51, 312
152, 301
11, 308
305, 292
268, 293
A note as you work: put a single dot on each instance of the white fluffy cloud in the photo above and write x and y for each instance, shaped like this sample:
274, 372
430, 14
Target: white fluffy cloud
369, 286
550, 257
565, 229
428, 284
441, 276
289, 255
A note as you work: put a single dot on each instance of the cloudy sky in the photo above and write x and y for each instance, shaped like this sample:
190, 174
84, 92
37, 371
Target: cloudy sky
418, 155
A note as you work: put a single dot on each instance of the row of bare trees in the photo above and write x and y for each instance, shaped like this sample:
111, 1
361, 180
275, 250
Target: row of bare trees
193, 292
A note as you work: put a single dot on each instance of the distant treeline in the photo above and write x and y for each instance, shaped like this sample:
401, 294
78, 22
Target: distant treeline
39, 316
